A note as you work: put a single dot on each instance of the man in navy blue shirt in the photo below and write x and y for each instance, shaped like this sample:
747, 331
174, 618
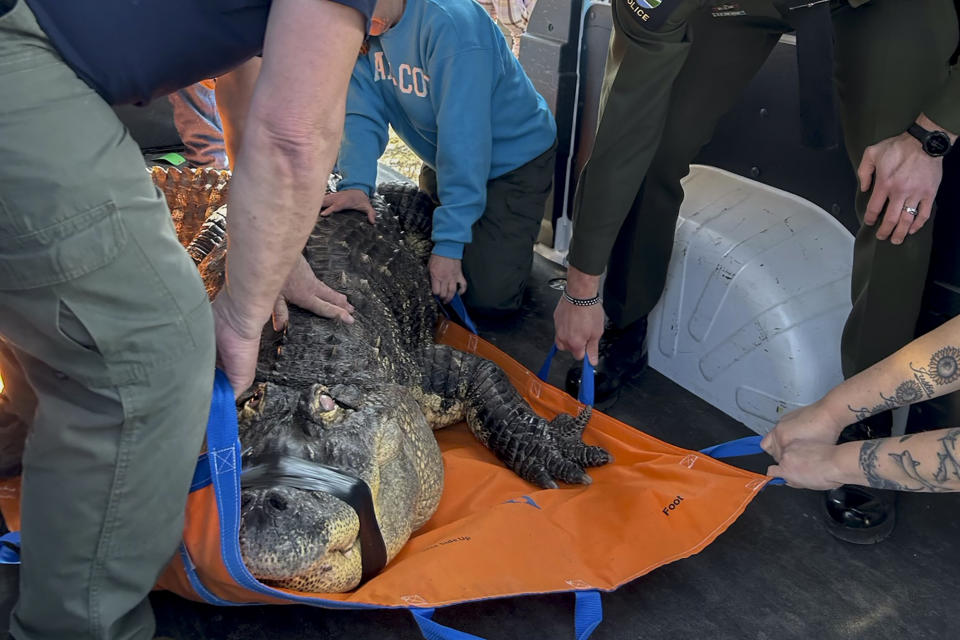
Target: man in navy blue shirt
107, 340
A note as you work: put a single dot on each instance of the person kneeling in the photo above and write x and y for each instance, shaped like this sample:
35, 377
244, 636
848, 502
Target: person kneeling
441, 74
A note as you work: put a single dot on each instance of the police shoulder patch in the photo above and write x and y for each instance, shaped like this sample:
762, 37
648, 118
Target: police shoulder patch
651, 14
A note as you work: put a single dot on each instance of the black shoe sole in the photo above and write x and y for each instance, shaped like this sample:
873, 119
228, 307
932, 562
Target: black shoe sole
607, 403
572, 387
848, 509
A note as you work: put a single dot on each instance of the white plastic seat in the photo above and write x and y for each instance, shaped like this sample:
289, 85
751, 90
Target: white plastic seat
757, 292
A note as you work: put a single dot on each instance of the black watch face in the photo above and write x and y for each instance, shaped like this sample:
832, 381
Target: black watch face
937, 143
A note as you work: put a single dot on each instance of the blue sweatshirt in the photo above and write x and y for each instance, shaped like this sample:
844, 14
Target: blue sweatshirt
446, 81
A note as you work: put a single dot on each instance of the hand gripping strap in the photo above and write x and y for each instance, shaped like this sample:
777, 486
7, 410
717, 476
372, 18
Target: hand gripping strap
747, 446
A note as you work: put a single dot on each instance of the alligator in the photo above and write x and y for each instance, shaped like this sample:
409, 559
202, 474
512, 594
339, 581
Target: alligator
363, 399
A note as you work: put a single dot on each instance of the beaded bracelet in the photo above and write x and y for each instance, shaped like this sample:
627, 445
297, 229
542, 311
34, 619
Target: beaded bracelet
582, 302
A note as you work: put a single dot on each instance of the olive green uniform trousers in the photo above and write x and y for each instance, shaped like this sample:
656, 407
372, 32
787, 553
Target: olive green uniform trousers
666, 88
107, 351
496, 264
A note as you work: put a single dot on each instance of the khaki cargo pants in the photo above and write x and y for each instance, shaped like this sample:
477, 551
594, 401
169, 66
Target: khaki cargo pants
107, 351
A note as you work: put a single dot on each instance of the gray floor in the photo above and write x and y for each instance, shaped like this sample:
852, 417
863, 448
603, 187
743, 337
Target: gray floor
774, 574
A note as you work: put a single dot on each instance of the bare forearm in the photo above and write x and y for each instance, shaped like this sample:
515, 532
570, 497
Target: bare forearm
580, 284
269, 221
290, 142
234, 92
928, 462
926, 368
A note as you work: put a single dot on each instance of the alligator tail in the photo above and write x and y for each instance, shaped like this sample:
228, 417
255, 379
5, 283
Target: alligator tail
211, 235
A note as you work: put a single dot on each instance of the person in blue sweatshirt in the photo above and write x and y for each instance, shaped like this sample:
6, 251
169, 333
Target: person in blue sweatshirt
441, 74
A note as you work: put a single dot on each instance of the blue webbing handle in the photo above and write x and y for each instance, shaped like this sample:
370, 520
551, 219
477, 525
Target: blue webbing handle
588, 613
10, 548
586, 378
434, 630
747, 446
461, 310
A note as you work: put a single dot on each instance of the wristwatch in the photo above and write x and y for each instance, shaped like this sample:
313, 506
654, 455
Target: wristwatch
935, 143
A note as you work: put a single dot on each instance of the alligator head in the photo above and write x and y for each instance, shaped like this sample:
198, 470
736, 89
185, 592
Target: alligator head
308, 540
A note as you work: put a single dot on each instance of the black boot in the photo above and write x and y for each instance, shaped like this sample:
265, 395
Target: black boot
861, 515
623, 357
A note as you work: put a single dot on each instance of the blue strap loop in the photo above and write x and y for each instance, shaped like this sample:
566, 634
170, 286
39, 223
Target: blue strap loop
588, 613
587, 616
10, 548
434, 630
586, 379
747, 446
461, 310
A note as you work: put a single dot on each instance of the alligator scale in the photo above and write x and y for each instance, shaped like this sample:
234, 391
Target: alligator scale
363, 399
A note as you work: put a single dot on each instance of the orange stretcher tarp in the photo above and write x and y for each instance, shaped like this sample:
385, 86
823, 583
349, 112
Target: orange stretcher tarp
495, 535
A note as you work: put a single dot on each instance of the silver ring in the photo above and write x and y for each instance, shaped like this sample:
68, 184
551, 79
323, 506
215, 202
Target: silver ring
911, 210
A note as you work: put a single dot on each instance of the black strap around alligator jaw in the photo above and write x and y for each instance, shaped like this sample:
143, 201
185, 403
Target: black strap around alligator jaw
311, 476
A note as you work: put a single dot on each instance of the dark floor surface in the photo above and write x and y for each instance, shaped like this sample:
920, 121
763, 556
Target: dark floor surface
774, 574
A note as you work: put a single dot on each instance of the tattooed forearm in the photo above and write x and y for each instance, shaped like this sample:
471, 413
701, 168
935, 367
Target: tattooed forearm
868, 464
942, 369
949, 468
908, 392
910, 469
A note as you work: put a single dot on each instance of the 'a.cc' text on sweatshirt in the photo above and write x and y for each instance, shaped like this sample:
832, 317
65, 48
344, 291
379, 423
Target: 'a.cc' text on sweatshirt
447, 82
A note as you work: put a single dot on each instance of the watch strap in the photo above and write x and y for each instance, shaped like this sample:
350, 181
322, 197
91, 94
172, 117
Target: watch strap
918, 132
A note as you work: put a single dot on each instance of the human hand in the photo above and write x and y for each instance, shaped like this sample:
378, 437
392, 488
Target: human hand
446, 277
351, 199
812, 423
238, 342
305, 290
905, 180
806, 464
578, 329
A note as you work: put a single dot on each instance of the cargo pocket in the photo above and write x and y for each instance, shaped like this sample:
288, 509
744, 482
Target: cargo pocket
62, 251
71, 328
